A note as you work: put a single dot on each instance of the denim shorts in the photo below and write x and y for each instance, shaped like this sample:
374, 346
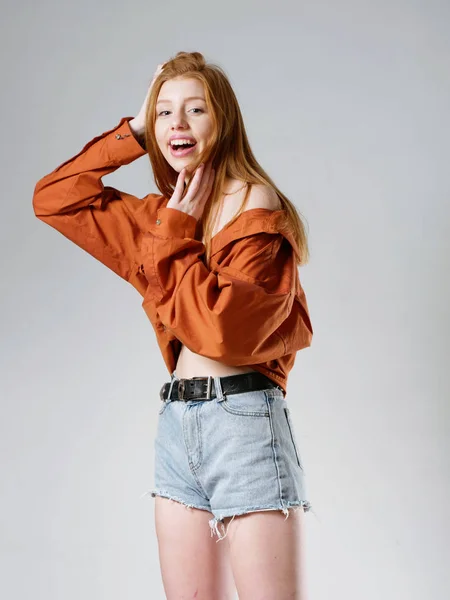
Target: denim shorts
231, 455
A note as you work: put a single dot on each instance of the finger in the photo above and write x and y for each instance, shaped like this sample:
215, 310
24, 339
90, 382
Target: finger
209, 186
179, 187
195, 185
205, 178
209, 172
202, 187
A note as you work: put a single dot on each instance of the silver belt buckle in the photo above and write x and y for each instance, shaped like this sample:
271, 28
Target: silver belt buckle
182, 388
208, 387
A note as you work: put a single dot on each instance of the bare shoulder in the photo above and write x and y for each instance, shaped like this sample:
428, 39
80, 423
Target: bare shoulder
263, 196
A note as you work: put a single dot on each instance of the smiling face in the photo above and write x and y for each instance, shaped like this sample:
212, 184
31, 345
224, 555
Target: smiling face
182, 113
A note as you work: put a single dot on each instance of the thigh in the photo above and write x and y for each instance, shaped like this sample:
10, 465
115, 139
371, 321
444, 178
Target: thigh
193, 564
267, 554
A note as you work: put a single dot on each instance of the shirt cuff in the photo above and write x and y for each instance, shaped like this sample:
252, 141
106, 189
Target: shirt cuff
173, 223
122, 146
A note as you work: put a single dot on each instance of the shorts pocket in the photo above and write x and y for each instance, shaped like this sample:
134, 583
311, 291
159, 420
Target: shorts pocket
292, 435
247, 404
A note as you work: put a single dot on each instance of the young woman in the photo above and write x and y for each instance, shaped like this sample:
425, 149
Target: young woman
215, 257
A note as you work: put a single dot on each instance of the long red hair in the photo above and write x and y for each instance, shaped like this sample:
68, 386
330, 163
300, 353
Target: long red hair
229, 148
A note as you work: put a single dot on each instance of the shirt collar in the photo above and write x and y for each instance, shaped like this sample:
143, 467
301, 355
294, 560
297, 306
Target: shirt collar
254, 220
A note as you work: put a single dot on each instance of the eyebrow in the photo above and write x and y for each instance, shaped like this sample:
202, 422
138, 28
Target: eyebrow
190, 98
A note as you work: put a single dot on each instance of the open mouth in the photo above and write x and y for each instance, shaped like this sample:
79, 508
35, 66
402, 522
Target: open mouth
182, 149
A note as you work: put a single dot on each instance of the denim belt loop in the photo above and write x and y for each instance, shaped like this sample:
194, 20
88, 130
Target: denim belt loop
219, 392
209, 387
173, 378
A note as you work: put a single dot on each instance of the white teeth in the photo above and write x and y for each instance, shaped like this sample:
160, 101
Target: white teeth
181, 142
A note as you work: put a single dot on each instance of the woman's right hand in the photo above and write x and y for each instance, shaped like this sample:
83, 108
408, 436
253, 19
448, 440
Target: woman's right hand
138, 123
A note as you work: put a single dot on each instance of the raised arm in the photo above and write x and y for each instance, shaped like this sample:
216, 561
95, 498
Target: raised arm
100, 219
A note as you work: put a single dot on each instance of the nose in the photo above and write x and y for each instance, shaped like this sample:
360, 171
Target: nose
178, 121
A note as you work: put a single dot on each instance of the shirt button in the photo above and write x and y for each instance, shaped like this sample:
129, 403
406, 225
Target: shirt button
158, 222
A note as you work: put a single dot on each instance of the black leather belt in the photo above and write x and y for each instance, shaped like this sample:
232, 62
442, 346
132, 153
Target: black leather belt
203, 388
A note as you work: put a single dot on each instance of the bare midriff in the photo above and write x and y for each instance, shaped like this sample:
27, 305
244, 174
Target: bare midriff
189, 363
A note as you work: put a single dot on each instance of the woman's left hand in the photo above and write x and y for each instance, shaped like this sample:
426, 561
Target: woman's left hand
194, 201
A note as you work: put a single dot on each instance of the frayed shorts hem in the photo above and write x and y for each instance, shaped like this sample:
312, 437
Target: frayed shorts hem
233, 512
164, 494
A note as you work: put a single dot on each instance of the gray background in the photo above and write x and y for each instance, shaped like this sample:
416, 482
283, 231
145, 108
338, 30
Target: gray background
346, 105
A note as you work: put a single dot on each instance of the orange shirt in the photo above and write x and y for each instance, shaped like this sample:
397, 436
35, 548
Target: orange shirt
247, 307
